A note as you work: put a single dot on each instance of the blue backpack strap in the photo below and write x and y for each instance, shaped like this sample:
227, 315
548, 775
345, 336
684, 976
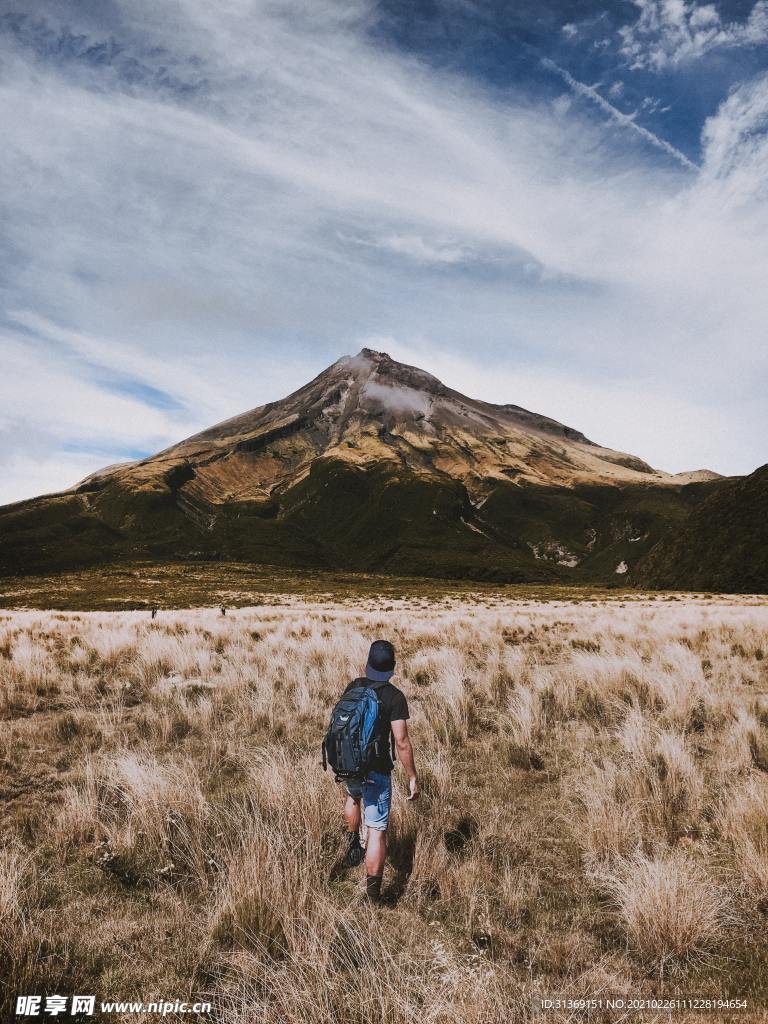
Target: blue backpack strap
376, 687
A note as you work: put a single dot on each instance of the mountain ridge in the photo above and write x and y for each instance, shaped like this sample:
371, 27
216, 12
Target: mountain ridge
355, 390
373, 464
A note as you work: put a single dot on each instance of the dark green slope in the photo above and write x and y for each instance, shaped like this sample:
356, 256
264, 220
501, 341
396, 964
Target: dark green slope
722, 546
380, 518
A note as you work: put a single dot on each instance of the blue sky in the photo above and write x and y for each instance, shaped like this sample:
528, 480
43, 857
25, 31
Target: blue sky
560, 205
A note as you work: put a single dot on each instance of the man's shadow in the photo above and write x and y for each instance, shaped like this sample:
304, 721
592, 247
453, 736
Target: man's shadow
401, 850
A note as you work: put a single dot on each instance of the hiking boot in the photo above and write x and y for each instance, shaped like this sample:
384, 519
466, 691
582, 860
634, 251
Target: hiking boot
355, 852
373, 888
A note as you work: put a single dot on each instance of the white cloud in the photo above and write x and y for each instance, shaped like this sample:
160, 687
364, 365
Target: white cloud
64, 402
25, 476
201, 243
736, 141
417, 248
672, 32
625, 120
192, 384
71, 403
395, 399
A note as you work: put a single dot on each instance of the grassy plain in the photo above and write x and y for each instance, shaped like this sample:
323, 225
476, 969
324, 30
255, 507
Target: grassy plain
175, 585
594, 820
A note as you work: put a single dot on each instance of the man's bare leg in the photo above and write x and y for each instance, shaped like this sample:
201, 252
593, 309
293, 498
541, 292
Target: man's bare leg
375, 856
352, 813
375, 851
352, 822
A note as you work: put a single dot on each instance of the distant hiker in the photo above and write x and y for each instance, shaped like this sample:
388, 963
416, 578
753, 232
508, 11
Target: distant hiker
154, 612
223, 610
368, 723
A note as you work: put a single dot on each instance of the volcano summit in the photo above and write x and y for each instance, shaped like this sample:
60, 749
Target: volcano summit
373, 465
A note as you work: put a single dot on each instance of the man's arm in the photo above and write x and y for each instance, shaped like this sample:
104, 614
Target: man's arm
405, 753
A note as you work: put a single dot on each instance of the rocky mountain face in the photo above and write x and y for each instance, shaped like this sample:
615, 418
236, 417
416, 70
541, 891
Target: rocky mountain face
373, 465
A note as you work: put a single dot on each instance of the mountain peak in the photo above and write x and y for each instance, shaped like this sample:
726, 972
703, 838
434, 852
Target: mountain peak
379, 368
376, 360
367, 409
373, 459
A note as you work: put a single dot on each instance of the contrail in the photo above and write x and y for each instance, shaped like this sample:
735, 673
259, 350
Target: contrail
616, 115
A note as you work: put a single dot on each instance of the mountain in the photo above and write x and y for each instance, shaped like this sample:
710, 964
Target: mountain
373, 465
722, 545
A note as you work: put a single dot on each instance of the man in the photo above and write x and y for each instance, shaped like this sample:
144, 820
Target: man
375, 790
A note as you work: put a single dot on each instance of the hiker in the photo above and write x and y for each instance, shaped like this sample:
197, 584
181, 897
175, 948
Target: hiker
154, 612
223, 610
368, 724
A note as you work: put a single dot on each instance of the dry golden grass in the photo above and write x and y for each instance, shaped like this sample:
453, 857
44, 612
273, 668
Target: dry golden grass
669, 905
594, 817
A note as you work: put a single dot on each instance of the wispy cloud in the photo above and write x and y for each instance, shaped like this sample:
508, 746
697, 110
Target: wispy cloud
668, 33
625, 120
417, 248
736, 142
175, 256
71, 402
190, 386
55, 423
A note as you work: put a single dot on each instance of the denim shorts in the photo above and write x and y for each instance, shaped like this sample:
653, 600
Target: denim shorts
376, 791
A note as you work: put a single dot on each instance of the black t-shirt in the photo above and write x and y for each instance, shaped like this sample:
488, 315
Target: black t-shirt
394, 708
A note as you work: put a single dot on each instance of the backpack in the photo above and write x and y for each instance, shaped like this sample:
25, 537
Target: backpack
355, 734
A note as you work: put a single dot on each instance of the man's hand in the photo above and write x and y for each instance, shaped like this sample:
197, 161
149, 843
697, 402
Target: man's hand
414, 788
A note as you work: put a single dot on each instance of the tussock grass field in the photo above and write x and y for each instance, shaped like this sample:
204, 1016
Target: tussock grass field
594, 821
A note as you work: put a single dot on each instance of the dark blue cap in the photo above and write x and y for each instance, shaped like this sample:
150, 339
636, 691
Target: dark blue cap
381, 662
